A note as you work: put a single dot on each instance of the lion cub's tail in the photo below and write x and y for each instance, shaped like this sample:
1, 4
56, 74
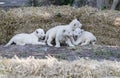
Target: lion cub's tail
9, 43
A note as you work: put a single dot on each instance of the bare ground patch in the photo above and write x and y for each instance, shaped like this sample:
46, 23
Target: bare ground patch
67, 53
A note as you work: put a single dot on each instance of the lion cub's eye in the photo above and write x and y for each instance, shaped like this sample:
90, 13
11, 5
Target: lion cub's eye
74, 24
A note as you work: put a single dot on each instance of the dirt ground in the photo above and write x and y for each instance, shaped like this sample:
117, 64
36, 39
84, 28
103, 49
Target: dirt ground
68, 53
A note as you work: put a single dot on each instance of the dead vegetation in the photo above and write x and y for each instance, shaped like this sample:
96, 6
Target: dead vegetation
52, 68
104, 24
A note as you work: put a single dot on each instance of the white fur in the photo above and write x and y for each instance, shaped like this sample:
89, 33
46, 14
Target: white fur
84, 37
64, 36
55, 31
24, 38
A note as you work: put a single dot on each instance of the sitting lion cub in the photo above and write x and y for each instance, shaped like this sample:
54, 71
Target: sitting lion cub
83, 37
24, 38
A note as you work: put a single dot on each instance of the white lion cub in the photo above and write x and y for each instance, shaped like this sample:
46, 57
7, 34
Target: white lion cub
24, 38
52, 33
84, 37
64, 36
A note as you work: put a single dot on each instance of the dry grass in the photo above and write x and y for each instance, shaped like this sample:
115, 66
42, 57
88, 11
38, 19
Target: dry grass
52, 68
104, 24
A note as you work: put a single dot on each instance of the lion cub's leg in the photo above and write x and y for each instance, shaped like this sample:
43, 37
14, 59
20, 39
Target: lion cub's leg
39, 43
69, 42
85, 43
57, 42
49, 41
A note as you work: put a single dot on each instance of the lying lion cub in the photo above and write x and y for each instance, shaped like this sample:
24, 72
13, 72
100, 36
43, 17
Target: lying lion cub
24, 38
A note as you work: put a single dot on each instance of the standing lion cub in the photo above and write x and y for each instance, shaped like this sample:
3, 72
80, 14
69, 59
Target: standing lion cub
24, 38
